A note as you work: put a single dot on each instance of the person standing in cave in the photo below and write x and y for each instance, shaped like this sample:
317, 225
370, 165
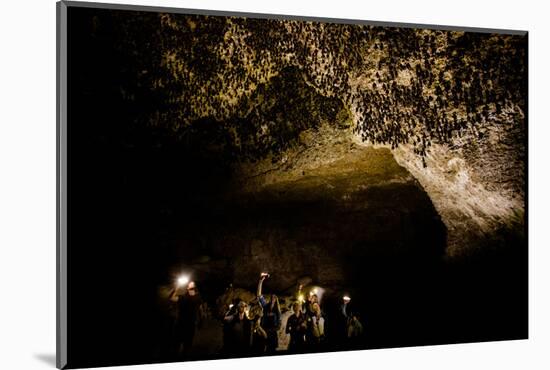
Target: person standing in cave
226, 328
310, 313
342, 319
296, 326
271, 321
315, 328
311, 301
259, 335
188, 316
240, 330
355, 330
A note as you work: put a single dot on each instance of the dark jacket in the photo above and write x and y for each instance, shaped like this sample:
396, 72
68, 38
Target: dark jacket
271, 319
296, 326
239, 333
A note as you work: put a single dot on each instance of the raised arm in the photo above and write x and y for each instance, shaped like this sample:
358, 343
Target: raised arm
228, 316
260, 283
173, 296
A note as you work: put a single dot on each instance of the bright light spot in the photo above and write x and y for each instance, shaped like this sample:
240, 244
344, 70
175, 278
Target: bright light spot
301, 298
182, 280
347, 298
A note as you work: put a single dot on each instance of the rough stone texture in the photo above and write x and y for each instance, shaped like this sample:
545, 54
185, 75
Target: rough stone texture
476, 183
326, 203
255, 89
477, 186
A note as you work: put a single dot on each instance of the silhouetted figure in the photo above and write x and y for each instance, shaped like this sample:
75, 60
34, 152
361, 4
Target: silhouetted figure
259, 335
271, 321
342, 317
227, 328
188, 316
240, 331
296, 326
355, 330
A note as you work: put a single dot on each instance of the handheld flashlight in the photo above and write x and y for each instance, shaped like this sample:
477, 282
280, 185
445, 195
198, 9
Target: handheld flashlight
346, 298
231, 306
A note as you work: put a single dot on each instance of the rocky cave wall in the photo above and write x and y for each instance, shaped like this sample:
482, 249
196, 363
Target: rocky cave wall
477, 186
288, 98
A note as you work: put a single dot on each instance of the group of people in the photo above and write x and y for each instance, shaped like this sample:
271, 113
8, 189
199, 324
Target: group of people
306, 325
257, 327
252, 328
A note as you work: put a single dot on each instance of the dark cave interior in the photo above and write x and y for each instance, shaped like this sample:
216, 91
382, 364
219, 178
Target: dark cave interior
146, 202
